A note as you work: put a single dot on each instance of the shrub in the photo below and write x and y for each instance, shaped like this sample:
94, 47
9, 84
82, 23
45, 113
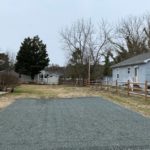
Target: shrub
8, 80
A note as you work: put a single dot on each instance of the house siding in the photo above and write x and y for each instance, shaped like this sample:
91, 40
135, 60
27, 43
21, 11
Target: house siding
148, 72
142, 73
124, 76
121, 74
27, 79
50, 79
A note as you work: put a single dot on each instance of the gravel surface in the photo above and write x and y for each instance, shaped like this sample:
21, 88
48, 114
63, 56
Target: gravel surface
72, 124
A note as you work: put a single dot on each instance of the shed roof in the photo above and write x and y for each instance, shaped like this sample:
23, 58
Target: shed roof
139, 59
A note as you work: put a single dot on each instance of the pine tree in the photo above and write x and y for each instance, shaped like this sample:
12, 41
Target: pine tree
107, 65
32, 57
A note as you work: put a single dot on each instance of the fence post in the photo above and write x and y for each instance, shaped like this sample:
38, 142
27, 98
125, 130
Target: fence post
85, 83
146, 90
128, 88
116, 86
101, 85
107, 85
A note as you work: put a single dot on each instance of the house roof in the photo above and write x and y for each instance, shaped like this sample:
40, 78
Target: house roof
56, 70
53, 73
139, 59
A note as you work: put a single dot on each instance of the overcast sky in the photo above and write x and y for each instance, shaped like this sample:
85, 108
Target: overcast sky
23, 18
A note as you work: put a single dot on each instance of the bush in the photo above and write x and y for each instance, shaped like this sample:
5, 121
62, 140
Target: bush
8, 80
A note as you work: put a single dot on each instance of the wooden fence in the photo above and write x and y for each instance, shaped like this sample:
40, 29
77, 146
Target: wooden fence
127, 88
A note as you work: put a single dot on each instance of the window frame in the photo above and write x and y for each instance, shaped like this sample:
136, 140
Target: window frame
129, 70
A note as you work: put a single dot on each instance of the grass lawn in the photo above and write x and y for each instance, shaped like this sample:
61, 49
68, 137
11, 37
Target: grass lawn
138, 104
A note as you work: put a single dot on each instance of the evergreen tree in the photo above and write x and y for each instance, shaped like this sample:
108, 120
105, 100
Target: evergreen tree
32, 57
76, 67
4, 61
107, 66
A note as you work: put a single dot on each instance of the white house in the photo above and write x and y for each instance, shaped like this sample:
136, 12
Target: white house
44, 77
135, 69
27, 79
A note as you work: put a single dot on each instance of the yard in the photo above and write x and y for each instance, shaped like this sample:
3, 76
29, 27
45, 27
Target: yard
64, 117
136, 103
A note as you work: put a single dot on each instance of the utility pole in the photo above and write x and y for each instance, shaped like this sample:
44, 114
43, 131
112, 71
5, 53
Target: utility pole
89, 71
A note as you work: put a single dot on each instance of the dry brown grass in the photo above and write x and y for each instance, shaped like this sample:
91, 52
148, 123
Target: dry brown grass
54, 91
46, 92
134, 102
43, 91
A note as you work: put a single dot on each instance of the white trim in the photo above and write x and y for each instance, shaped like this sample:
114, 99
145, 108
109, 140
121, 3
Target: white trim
136, 67
147, 60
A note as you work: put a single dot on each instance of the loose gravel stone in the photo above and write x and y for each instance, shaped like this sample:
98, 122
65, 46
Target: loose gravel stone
72, 124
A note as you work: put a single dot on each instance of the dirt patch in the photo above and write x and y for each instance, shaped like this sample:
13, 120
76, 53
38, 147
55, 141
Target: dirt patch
5, 102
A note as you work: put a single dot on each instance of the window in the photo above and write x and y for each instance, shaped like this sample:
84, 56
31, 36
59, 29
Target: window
117, 75
41, 76
128, 70
46, 75
136, 71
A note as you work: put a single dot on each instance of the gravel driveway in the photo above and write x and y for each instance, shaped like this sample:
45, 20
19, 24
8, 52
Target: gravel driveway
72, 124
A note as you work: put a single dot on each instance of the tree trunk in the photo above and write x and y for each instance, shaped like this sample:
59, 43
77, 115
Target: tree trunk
32, 77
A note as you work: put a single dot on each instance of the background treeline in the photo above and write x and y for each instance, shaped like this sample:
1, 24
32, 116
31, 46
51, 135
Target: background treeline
101, 45
104, 44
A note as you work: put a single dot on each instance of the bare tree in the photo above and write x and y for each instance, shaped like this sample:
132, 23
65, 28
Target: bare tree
91, 43
147, 28
8, 79
11, 57
130, 38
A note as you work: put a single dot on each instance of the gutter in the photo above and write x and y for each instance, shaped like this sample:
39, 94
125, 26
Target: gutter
128, 65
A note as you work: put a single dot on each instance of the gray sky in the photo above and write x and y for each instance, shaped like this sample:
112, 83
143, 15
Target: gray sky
23, 18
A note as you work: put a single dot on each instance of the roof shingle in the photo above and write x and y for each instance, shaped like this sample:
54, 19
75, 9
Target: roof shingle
139, 59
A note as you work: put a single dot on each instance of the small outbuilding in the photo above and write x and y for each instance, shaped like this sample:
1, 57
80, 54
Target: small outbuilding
135, 69
46, 77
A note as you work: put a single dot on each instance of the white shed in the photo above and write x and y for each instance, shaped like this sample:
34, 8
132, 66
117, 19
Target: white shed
135, 69
45, 77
